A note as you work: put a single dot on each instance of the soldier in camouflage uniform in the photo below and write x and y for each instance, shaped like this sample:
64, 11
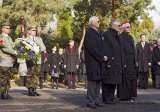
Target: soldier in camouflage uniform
34, 68
5, 61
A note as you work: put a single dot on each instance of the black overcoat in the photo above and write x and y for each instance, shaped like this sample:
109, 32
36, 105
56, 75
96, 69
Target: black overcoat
129, 56
114, 48
71, 59
156, 59
53, 60
94, 53
83, 66
143, 56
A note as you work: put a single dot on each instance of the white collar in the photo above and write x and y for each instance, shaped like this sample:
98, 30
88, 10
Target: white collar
5, 34
143, 42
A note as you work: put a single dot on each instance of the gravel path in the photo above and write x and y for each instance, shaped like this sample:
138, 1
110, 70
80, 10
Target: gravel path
64, 100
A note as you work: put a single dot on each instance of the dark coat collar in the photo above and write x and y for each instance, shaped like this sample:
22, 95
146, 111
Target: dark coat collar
130, 39
92, 29
113, 32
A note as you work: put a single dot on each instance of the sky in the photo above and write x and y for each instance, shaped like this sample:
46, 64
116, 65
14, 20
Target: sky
156, 13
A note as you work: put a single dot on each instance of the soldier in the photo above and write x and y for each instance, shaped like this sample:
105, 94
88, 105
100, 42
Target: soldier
34, 67
5, 61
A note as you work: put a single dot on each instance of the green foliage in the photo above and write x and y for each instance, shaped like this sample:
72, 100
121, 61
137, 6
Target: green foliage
64, 27
39, 12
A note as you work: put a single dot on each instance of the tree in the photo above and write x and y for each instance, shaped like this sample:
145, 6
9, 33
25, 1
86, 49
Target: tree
37, 12
64, 27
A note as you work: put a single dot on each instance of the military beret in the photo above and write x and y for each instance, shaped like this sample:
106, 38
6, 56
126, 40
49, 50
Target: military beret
33, 27
5, 25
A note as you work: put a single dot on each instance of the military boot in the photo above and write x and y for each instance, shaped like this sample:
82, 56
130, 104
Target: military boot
9, 97
35, 92
31, 92
4, 96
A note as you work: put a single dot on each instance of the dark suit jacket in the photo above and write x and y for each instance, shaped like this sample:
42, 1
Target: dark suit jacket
71, 59
94, 52
114, 49
143, 57
156, 59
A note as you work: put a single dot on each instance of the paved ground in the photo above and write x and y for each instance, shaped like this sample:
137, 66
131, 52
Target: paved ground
64, 100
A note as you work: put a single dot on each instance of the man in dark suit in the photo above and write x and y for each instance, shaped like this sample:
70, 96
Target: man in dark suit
143, 57
71, 63
94, 60
114, 64
156, 59
127, 90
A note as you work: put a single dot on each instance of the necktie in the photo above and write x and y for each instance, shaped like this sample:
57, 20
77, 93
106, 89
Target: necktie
33, 39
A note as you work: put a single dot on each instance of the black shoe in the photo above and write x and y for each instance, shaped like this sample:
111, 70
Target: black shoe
41, 87
74, 87
35, 92
110, 102
31, 92
132, 99
92, 106
9, 97
69, 88
52, 87
56, 87
4, 96
99, 104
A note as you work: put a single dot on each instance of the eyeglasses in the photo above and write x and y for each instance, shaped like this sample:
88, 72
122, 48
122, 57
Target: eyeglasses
118, 25
128, 27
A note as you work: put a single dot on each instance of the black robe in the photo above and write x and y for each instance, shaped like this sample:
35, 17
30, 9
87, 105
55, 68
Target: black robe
128, 88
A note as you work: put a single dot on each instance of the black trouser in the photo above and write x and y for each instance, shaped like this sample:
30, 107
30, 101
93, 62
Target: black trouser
143, 79
153, 77
108, 91
69, 79
43, 77
52, 79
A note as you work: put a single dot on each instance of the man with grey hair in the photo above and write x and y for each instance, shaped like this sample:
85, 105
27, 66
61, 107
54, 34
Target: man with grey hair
114, 64
128, 90
156, 59
95, 57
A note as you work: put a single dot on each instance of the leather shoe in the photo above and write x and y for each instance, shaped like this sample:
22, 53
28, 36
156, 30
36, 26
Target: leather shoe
69, 88
41, 87
99, 104
92, 106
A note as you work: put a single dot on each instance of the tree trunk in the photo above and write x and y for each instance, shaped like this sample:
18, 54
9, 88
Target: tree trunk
113, 13
39, 31
22, 25
84, 30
